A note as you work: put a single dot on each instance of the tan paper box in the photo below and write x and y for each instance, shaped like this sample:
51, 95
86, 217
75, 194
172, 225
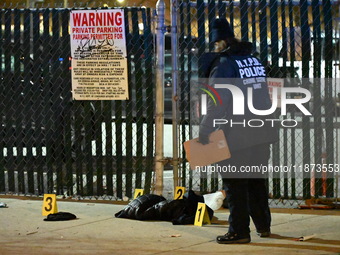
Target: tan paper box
203, 155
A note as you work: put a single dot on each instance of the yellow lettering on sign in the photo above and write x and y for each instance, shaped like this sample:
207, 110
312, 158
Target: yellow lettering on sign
202, 216
138, 193
179, 192
49, 204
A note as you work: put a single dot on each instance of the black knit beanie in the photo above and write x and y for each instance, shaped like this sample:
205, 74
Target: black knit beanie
221, 30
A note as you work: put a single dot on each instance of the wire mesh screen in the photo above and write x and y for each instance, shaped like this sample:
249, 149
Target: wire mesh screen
52, 144
297, 41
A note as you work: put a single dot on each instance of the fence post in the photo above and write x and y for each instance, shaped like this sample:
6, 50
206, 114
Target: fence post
174, 61
159, 119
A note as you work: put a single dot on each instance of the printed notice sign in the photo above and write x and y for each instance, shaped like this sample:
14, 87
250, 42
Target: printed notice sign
98, 51
275, 83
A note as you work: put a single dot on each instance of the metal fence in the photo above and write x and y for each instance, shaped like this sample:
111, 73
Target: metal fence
293, 39
52, 144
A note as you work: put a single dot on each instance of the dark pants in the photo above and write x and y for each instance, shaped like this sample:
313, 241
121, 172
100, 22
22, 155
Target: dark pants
248, 196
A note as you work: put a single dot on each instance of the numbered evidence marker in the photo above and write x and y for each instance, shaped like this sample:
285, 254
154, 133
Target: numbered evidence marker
138, 193
49, 204
202, 216
179, 192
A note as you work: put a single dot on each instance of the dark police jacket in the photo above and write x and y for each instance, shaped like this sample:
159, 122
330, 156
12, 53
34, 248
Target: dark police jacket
241, 130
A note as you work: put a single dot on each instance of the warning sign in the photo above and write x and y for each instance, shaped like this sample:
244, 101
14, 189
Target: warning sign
277, 83
98, 51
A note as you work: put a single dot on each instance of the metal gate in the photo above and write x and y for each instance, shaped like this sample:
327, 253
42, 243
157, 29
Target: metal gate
293, 39
50, 143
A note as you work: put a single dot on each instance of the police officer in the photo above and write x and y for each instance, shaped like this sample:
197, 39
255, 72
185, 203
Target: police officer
248, 135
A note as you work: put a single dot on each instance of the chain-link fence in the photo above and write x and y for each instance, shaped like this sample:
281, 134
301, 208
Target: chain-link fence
52, 144
298, 41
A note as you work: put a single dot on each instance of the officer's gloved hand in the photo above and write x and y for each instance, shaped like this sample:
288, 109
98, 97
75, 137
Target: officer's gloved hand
203, 139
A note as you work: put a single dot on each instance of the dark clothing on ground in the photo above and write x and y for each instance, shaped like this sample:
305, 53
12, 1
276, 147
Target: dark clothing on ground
154, 207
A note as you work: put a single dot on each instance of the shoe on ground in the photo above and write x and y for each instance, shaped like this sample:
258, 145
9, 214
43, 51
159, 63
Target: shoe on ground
232, 238
263, 233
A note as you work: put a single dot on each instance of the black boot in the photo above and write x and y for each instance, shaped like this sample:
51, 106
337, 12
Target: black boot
263, 232
230, 238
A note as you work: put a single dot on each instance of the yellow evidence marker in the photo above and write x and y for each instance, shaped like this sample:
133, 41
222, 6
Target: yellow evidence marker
179, 192
202, 216
138, 193
49, 204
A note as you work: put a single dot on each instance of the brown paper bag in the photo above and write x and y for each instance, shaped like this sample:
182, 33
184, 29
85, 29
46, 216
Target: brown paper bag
203, 155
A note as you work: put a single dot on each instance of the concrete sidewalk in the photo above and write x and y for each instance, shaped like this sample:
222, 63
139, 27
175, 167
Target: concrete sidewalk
96, 231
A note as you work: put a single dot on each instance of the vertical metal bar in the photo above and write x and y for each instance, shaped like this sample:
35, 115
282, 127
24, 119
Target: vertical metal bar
284, 74
159, 121
88, 159
263, 32
56, 120
274, 28
185, 21
39, 79
97, 121
244, 20
48, 113
293, 160
285, 163
221, 8
28, 101
284, 39
119, 150
305, 39
9, 113
292, 71
26, 111
2, 107
98, 167
201, 50
19, 108
139, 74
67, 99
119, 128
211, 17
183, 104
275, 70
129, 113
78, 144
107, 110
329, 107
318, 133
231, 14
148, 39
291, 37
254, 22
57, 105
174, 79
28, 134
263, 38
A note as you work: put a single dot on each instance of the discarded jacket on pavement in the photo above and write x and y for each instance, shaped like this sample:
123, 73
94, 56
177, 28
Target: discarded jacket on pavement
154, 207
60, 216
